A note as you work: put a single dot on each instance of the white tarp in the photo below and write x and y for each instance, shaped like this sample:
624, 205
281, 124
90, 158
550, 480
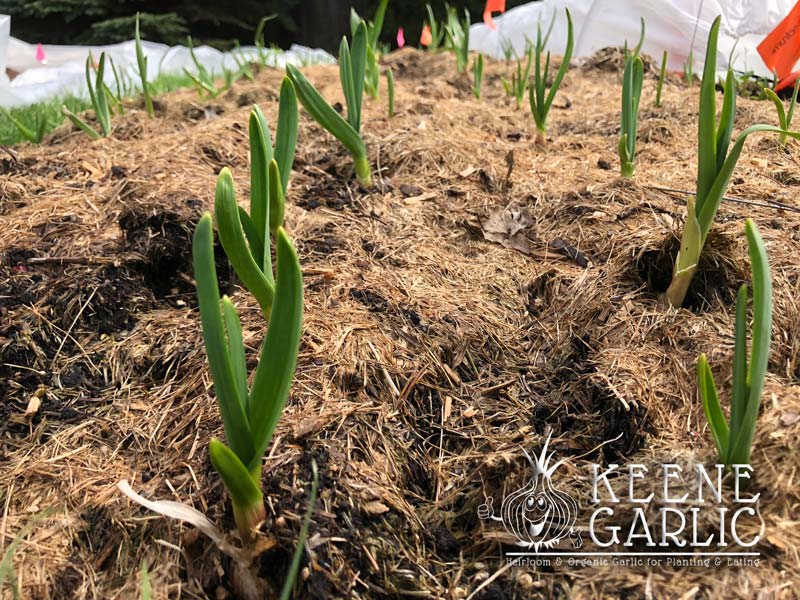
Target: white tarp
669, 26
64, 73
5, 32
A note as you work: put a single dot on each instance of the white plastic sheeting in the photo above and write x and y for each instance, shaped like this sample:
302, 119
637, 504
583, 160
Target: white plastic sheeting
5, 31
670, 25
64, 73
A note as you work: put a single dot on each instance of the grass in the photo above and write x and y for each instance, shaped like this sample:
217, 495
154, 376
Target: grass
50, 110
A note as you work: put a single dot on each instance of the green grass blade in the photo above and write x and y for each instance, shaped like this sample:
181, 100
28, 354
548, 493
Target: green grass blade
260, 156
80, 123
286, 134
233, 241
761, 338
712, 408
237, 430
41, 128
7, 562
233, 330
707, 122
739, 390
27, 133
294, 567
145, 587
279, 354
563, 68
277, 200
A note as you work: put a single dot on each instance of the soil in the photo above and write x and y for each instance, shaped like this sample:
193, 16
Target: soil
435, 346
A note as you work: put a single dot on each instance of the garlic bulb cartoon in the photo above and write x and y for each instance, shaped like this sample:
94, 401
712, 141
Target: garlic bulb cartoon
538, 514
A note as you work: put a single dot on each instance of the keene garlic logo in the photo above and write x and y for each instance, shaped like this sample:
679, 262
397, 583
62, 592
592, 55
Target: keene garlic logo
691, 510
538, 515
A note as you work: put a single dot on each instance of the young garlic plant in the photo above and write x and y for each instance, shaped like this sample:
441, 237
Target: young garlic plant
662, 73
540, 100
245, 237
390, 90
203, 79
437, 31
250, 415
734, 439
351, 73
631, 93
141, 61
374, 29
715, 166
477, 76
121, 86
521, 79
98, 94
457, 33
784, 117
259, 42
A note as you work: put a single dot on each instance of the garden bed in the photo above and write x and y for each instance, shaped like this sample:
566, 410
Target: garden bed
486, 292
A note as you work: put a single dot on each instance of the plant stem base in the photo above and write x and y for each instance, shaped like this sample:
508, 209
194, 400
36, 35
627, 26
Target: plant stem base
363, 171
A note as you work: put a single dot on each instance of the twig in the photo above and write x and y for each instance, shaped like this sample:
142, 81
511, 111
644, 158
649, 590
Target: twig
773, 204
70, 260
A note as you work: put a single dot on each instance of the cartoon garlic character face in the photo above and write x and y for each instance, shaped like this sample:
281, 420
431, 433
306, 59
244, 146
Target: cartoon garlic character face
538, 514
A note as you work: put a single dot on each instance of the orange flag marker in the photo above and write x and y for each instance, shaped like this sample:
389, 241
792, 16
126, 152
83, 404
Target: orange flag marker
493, 6
425, 38
780, 50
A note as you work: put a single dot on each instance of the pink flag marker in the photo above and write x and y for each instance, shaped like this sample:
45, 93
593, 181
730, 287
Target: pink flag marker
401, 38
40, 57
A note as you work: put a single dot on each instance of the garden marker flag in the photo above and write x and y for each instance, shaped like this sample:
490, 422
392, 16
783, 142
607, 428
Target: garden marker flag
40, 56
780, 50
493, 6
425, 38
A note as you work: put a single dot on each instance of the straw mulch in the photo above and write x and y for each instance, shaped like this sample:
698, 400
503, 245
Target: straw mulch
484, 293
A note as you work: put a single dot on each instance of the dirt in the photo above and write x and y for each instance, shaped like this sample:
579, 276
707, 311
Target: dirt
433, 352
